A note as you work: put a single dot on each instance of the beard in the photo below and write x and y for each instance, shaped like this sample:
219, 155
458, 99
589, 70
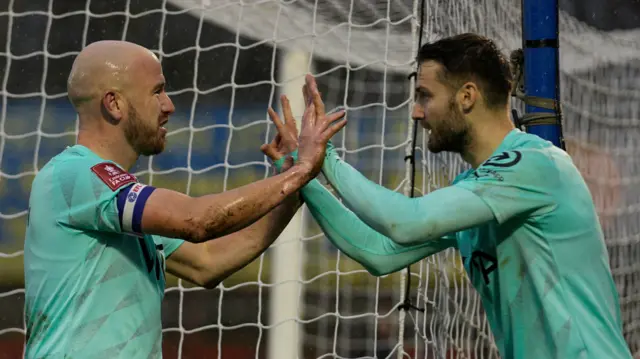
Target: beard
449, 133
145, 139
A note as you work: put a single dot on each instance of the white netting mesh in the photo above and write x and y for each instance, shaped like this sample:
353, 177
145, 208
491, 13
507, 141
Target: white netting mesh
222, 61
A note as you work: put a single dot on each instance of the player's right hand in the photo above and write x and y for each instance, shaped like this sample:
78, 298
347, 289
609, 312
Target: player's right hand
286, 140
316, 130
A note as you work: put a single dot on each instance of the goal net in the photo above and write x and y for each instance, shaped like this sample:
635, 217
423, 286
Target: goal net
225, 62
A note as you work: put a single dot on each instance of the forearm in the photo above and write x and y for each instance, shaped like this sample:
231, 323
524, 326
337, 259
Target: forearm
227, 212
231, 253
377, 253
379, 207
401, 218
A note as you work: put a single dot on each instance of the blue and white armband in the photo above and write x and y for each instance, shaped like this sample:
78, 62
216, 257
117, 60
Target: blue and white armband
130, 203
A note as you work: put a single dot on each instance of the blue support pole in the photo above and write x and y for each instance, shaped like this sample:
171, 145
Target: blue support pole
541, 62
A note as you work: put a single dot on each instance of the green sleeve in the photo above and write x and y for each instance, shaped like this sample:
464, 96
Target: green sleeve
87, 202
378, 254
516, 183
403, 219
169, 245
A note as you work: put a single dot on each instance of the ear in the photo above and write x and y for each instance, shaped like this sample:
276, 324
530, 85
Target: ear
468, 95
113, 106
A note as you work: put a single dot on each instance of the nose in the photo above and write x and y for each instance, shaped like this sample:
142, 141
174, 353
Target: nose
418, 112
167, 105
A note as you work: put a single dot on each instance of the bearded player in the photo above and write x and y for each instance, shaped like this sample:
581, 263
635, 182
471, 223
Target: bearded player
98, 240
522, 217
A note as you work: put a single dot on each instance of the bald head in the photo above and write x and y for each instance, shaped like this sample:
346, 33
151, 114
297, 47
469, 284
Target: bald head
104, 66
118, 90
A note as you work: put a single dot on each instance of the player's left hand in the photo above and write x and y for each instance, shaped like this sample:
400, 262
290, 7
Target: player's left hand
286, 140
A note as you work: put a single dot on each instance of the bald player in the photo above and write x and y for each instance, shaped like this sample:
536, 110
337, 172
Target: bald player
99, 241
521, 217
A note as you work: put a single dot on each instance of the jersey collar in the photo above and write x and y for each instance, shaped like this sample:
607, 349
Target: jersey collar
508, 142
83, 150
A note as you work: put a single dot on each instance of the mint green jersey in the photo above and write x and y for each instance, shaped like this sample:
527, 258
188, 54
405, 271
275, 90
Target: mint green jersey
94, 282
525, 225
541, 266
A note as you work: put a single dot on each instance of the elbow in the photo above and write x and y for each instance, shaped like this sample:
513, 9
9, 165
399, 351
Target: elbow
207, 279
407, 235
384, 266
211, 284
399, 234
379, 271
377, 267
376, 272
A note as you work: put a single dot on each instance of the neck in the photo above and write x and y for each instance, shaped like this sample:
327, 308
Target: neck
107, 143
485, 137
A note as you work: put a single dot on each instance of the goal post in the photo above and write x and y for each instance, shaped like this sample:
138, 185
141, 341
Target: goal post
288, 252
541, 42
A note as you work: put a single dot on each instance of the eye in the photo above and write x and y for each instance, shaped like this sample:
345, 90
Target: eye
421, 96
159, 89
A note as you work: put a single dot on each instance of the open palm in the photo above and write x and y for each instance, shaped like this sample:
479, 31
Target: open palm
316, 130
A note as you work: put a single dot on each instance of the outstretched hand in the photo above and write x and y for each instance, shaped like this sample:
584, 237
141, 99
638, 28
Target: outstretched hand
286, 140
316, 130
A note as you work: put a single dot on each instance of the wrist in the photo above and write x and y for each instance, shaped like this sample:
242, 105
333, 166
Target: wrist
331, 150
304, 171
280, 162
295, 178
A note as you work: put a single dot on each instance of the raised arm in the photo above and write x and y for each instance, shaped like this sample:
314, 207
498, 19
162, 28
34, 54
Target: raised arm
401, 218
171, 214
209, 263
377, 253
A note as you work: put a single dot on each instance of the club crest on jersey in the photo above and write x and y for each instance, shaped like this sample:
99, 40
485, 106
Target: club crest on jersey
504, 159
113, 176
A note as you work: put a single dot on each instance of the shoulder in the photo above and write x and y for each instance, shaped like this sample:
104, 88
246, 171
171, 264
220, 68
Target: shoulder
529, 161
76, 166
462, 176
529, 153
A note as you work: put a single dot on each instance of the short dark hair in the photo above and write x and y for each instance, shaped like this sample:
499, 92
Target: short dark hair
471, 57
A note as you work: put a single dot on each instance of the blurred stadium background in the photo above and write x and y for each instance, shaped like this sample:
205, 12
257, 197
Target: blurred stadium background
224, 63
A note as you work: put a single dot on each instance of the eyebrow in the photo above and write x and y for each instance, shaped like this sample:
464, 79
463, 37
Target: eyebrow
422, 90
159, 85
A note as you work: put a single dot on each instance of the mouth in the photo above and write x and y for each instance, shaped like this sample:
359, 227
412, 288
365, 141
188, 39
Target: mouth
163, 123
426, 126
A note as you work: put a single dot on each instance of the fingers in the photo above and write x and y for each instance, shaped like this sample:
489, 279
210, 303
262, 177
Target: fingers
309, 117
270, 151
312, 87
332, 130
276, 120
334, 117
305, 95
286, 110
330, 119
